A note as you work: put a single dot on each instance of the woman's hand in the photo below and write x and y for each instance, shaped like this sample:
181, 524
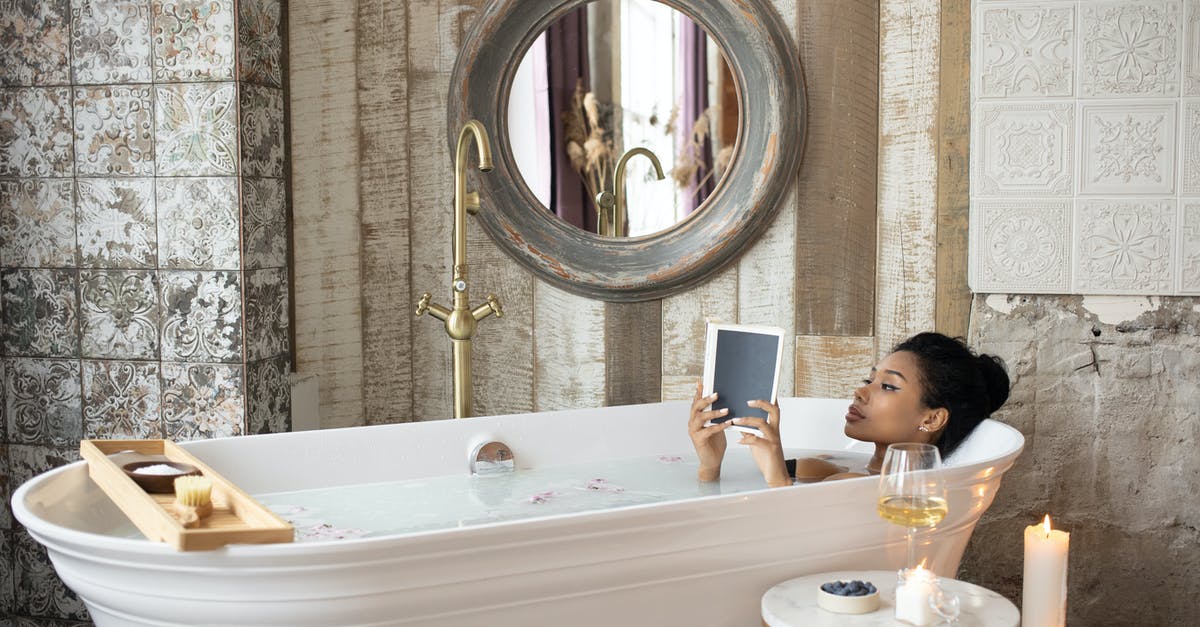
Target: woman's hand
708, 441
766, 448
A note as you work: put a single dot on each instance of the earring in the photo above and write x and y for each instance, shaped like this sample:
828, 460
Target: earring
923, 428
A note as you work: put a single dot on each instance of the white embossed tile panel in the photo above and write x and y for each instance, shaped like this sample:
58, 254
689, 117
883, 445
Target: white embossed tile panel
1024, 149
1191, 51
1190, 156
1127, 148
1024, 50
1124, 246
1130, 48
1024, 245
1189, 248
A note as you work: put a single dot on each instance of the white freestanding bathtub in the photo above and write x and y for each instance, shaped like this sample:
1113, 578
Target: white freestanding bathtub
700, 561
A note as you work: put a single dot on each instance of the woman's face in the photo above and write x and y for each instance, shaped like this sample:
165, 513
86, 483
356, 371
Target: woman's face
887, 408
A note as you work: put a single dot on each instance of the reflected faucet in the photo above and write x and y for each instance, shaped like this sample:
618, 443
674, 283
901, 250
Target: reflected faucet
461, 320
612, 204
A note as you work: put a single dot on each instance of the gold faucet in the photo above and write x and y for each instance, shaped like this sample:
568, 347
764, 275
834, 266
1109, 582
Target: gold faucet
612, 204
461, 320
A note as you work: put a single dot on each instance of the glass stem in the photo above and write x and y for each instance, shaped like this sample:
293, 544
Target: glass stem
911, 555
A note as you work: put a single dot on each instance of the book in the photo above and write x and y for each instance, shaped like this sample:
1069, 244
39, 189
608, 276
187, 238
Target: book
741, 363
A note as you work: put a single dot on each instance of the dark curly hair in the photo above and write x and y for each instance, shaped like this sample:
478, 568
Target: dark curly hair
969, 386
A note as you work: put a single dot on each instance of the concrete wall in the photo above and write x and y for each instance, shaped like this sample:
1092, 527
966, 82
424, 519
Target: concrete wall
1107, 393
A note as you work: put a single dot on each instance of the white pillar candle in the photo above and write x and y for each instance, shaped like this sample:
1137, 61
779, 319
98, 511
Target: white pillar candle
1044, 590
912, 596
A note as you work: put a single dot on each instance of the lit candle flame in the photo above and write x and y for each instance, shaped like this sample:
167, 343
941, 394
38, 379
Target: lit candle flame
1046, 525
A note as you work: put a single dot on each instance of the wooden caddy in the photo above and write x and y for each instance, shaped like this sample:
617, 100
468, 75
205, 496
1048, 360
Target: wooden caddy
236, 518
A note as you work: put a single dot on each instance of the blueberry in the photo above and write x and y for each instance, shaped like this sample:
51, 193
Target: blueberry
871, 588
827, 587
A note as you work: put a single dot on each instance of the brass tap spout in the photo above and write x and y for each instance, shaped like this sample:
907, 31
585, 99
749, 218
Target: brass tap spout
461, 320
612, 204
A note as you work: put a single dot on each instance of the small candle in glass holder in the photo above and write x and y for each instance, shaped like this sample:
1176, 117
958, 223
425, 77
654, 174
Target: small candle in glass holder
915, 587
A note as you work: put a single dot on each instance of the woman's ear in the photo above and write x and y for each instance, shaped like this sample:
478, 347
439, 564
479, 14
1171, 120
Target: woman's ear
935, 420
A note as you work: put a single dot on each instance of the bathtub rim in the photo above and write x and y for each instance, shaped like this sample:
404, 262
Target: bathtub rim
60, 537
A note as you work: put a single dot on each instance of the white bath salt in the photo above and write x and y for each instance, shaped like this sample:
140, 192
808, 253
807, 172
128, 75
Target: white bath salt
157, 469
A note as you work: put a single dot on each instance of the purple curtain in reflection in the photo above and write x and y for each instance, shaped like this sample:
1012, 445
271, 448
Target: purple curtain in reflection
693, 87
567, 64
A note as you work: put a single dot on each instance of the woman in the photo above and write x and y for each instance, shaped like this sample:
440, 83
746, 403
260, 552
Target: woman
931, 388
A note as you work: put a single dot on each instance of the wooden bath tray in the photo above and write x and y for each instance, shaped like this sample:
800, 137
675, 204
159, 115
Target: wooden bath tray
236, 518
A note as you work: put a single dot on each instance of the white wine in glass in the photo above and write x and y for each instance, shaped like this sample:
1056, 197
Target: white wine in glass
912, 493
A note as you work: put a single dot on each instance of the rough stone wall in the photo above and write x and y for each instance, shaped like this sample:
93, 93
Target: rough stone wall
1110, 408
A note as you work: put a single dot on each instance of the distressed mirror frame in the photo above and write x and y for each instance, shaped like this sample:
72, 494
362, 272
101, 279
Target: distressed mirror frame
767, 155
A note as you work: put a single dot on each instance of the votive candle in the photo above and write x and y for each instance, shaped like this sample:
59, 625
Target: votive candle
912, 596
1044, 589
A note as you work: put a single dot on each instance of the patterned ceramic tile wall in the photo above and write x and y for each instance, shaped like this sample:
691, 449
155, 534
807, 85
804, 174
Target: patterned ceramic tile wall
1085, 173
143, 239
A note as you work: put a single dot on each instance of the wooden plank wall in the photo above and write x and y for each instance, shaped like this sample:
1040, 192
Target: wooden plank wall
370, 239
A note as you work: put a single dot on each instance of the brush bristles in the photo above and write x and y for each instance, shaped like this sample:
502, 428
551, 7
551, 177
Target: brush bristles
193, 491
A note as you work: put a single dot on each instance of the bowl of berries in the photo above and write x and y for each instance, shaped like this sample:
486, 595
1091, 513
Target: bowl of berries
848, 597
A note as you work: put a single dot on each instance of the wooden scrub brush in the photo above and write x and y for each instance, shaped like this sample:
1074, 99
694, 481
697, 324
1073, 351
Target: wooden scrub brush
193, 499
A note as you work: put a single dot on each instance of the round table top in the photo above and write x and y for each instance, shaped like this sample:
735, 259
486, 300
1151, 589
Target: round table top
793, 603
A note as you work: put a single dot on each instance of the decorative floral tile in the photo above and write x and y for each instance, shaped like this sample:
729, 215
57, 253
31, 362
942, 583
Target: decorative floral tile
37, 223
269, 396
198, 223
1128, 149
1025, 50
42, 401
1024, 246
202, 401
193, 40
1130, 48
266, 313
39, 591
1124, 246
202, 316
26, 462
110, 41
40, 312
1191, 58
196, 130
262, 131
1191, 147
264, 229
116, 223
35, 132
1189, 248
1024, 149
119, 313
121, 400
7, 591
259, 42
6, 489
114, 131
33, 42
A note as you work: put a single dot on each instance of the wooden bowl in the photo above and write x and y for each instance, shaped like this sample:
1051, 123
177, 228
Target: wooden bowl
158, 484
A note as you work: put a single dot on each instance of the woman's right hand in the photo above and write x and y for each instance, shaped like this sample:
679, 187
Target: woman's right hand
708, 441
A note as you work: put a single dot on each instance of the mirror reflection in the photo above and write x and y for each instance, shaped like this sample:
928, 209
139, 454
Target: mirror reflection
622, 117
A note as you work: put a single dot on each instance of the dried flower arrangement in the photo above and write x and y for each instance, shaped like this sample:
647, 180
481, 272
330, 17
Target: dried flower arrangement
590, 147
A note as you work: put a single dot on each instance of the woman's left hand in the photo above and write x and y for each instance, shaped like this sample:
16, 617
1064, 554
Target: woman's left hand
766, 448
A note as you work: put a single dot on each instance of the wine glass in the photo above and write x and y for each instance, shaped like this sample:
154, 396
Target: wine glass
945, 604
912, 492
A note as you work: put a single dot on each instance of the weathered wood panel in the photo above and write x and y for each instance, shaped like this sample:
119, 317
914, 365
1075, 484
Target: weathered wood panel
684, 318
836, 224
954, 130
569, 341
633, 352
382, 32
832, 366
433, 31
325, 155
909, 61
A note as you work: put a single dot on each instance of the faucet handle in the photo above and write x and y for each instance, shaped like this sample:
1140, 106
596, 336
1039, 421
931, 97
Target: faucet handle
492, 306
423, 304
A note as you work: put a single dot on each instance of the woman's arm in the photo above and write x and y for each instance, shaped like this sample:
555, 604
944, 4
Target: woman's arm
709, 442
766, 448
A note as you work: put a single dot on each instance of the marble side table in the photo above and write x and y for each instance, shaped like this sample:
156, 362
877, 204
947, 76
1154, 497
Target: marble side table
793, 603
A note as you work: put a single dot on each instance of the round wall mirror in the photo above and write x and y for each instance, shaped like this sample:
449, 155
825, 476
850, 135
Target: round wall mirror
658, 245
604, 80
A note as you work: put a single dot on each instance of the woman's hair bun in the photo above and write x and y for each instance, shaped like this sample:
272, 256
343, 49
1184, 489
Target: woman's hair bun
995, 377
